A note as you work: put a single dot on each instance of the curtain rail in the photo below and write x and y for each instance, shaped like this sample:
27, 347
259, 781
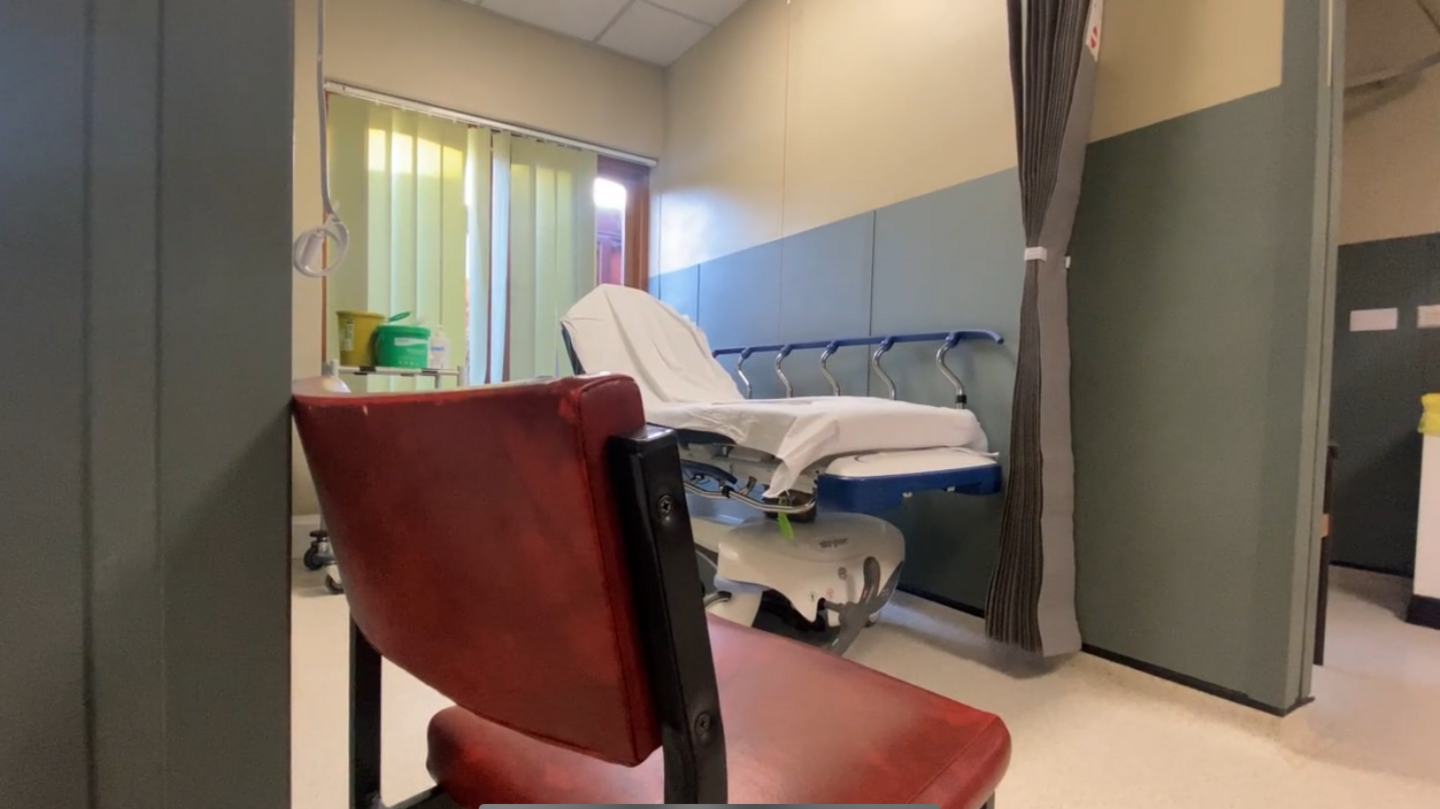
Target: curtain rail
411, 105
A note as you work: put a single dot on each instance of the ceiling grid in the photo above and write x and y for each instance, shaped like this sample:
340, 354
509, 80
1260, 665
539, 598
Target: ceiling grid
654, 31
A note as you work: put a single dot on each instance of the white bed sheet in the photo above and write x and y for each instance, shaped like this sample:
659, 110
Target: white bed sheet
805, 431
626, 331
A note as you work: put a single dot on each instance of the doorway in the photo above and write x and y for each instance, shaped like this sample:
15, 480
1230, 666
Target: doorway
1386, 347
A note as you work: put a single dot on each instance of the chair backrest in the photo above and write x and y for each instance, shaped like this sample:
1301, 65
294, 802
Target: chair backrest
626, 331
481, 548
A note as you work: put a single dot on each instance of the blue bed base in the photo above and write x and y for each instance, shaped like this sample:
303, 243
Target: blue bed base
878, 495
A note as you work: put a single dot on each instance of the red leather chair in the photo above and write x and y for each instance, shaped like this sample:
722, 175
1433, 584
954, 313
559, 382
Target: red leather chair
526, 551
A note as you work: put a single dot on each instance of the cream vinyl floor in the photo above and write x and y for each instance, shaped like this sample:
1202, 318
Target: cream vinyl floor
1087, 733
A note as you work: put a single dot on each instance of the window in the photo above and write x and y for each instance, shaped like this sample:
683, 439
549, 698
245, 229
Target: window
610, 231
626, 186
485, 235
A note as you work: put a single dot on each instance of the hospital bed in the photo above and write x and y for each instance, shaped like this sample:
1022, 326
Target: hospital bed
813, 475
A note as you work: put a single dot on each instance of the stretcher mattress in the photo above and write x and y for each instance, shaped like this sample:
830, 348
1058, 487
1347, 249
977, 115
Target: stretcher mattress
625, 331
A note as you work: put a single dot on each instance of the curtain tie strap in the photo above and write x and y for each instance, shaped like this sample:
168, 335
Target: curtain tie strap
1037, 254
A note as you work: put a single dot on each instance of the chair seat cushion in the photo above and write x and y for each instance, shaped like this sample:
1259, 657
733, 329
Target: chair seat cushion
801, 726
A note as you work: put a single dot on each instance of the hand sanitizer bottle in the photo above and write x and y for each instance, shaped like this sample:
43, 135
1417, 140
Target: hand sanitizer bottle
439, 350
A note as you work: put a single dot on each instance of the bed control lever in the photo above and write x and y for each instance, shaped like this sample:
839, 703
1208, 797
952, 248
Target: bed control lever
825, 371
780, 372
960, 399
884, 346
740, 370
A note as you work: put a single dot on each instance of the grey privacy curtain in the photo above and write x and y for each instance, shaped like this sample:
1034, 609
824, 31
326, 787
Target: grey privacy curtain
1053, 49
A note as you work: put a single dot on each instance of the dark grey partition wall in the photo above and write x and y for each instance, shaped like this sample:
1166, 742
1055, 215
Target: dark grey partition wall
1379, 379
1201, 295
1172, 301
43, 749
144, 241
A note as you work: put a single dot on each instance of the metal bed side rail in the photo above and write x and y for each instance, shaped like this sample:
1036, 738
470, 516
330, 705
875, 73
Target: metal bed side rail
882, 343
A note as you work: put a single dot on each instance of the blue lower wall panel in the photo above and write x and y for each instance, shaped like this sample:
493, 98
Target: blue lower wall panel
741, 296
953, 259
740, 305
825, 279
681, 289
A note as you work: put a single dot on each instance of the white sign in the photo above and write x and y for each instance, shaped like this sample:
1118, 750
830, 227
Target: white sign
1094, 26
1374, 320
1428, 317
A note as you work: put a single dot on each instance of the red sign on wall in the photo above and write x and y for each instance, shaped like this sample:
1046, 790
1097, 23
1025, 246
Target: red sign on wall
1092, 31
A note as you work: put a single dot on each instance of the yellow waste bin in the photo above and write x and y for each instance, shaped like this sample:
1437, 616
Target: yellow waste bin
1430, 418
357, 337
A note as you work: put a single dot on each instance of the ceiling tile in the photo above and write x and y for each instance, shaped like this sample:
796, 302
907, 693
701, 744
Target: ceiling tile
1386, 34
711, 11
652, 34
584, 19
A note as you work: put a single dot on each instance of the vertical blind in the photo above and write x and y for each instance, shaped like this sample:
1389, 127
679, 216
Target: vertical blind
486, 235
552, 251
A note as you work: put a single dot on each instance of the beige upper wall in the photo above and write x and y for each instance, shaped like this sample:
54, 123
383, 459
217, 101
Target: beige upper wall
456, 56
1391, 157
1390, 182
890, 100
794, 115
720, 180
1167, 58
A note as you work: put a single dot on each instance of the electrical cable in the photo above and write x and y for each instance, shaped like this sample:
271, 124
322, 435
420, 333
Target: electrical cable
308, 254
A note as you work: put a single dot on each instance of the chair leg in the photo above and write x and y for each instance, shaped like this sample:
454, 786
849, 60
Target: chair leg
433, 799
364, 722
365, 694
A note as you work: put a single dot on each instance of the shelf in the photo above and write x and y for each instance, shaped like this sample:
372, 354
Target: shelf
369, 370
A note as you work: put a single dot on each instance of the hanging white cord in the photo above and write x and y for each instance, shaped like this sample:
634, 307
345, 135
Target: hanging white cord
308, 254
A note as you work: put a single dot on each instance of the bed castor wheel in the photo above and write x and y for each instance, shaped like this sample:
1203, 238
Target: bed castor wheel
312, 559
318, 555
332, 585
